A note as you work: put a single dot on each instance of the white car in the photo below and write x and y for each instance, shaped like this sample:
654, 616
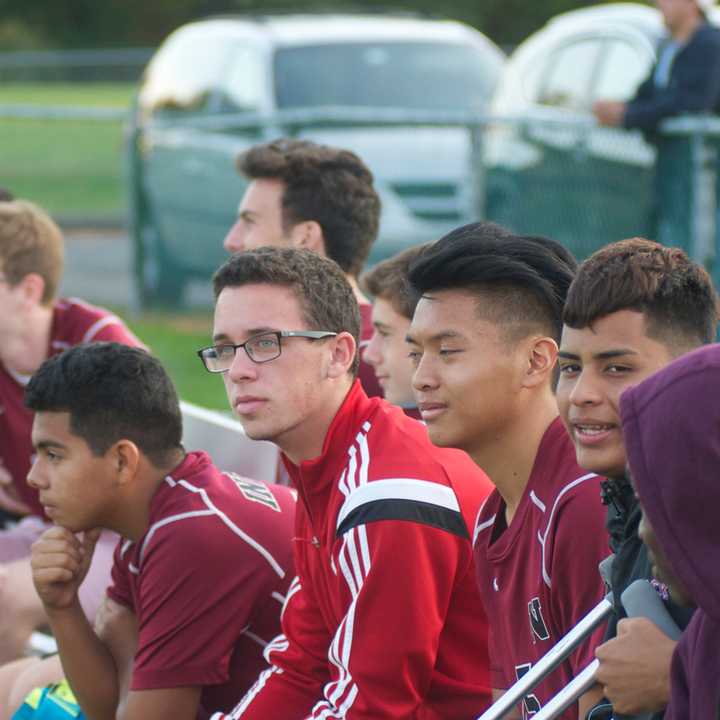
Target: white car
361, 82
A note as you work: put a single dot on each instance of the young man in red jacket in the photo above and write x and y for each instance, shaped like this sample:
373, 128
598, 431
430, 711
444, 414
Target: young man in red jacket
384, 620
484, 341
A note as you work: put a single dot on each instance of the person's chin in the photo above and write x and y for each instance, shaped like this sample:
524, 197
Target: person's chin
602, 462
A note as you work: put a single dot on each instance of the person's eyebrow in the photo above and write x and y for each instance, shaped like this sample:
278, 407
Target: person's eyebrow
568, 355
619, 352
45, 444
437, 337
247, 213
380, 324
223, 338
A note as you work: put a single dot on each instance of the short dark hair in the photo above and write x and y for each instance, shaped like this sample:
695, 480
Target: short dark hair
675, 294
333, 187
112, 392
521, 280
389, 280
323, 291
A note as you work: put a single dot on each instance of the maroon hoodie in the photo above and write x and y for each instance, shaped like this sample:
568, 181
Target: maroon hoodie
671, 424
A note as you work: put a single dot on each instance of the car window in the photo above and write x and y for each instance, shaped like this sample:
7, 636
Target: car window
571, 70
183, 75
242, 86
413, 75
623, 68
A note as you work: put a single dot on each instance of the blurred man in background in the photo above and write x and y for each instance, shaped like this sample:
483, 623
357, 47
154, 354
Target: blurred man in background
35, 324
317, 197
685, 79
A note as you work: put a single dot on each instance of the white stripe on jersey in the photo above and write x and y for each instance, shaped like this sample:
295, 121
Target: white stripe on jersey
399, 489
483, 526
98, 325
255, 638
249, 697
354, 562
542, 539
211, 510
274, 564
537, 501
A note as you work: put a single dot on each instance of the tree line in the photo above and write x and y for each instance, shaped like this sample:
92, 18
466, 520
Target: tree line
123, 23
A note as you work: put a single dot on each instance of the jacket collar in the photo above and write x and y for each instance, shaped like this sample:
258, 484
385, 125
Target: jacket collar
313, 475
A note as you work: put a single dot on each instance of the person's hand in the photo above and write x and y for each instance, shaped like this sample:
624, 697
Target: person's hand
635, 667
609, 112
8, 497
60, 561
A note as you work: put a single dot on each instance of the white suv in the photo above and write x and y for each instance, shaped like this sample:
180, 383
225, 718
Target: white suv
395, 90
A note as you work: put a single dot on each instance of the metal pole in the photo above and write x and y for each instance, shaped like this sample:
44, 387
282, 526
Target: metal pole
569, 694
550, 660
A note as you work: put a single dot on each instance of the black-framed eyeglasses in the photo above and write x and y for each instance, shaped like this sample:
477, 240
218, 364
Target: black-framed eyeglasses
259, 348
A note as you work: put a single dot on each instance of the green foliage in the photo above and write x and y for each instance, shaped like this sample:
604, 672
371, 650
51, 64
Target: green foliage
84, 23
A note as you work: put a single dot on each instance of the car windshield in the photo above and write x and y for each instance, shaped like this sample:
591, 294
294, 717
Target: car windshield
413, 75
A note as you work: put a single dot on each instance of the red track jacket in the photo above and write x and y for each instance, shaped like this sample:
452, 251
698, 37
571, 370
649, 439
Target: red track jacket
384, 619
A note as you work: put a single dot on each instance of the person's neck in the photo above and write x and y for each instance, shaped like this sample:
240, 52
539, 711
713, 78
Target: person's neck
508, 459
132, 518
26, 349
357, 292
306, 441
686, 29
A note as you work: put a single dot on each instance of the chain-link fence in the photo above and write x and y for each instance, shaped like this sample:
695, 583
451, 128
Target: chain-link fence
580, 183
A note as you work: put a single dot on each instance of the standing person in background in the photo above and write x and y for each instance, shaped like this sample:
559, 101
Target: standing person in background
384, 620
392, 310
685, 79
484, 343
35, 324
317, 197
633, 306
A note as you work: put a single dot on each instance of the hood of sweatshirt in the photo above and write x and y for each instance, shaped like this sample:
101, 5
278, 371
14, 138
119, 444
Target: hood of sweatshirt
671, 425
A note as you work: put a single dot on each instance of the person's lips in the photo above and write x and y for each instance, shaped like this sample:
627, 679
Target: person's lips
431, 410
248, 404
590, 432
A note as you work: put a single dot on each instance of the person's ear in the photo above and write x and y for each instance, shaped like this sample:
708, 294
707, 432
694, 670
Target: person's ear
309, 235
125, 459
542, 353
32, 287
342, 354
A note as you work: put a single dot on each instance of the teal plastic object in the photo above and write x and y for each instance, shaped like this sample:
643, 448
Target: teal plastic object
54, 702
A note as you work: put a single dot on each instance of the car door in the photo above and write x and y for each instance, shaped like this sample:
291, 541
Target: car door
204, 80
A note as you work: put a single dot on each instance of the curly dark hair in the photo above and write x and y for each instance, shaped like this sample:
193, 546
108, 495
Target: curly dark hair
112, 392
325, 295
675, 294
333, 187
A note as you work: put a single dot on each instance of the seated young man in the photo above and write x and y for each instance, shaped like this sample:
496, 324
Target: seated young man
385, 620
392, 311
669, 424
633, 307
35, 324
204, 561
484, 343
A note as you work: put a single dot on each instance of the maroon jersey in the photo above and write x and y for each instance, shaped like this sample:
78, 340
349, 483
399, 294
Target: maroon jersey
539, 576
207, 581
366, 372
74, 322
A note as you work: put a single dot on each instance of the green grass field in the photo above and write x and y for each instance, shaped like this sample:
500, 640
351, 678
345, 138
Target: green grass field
174, 339
72, 167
